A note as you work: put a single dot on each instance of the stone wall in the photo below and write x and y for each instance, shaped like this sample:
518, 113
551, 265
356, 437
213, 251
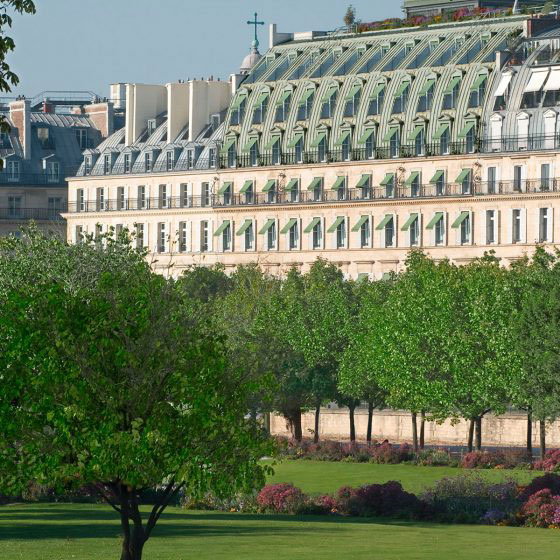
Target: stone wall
396, 426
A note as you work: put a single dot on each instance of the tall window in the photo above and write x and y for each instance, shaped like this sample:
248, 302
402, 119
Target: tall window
466, 230
490, 227
239, 111
317, 234
470, 140
517, 178
439, 232
491, 180
147, 162
249, 238
182, 237
254, 154
204, 236
15, 209
140, 244
185, 197
80, 200
341, 235
322, 149
329, 102
260, 108
317, 189
516, 226
390, 232
353, 101
346, 148
87, 165
121, 202
444, 141
169, 160
426, 96
162, 238
271, 236
370, 144
451, 93
226, 238
283, 107
419, 142
127, 165
415, 184
293, 236
545, 176
13, 171
82, 138
163, 196
305, 105
106, 164
543, 225
365, 234
395, 143
78, 234
205, 194
401, 98
376, 100
231, 156
100, 198
414, 232
53, 171
276, 152
142, 202
212, 157
477, 91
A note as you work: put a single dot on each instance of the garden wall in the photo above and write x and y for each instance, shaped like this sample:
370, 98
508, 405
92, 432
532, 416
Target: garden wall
508, 430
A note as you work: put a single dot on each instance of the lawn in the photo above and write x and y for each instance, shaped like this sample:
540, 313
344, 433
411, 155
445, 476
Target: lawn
315, 477
86, 532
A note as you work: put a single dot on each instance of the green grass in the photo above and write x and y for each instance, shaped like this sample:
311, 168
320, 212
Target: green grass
86, 532
316, 477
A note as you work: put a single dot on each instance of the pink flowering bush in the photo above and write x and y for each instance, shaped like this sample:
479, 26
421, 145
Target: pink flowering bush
482, 460
391, 454
280, 498
551, 461
542, 509
548, 480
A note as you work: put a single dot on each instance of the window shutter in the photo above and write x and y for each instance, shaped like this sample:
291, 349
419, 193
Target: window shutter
550, 225
510, 226
210, 236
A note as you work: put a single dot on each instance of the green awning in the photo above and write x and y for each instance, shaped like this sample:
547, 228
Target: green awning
271, 142
318, 139
261, 98
409, 222
306, 95
336, 223
311, 225
401, 89
378, 89
315, 183
297, 137
437, 217
365, 136
292, 185
411, 178
329, 93
246, 186
463, 175
452, 83
222, 228
246, 225
342, 138
360, 223
352, 93
437, 176
283, 97
270, 184
381, 225
428, 84
229, 143
440, 131
461, 218
478, 82
364, 180
267, 226
225, 187
417, 130
389, 177
291, 222
238, 101
466, 129
249, 145
338, 183
390, 133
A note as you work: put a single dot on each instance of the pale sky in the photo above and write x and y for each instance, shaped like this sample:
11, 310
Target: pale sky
88, 44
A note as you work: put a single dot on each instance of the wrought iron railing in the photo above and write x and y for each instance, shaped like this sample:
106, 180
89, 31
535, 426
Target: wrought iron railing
10, 178
38, 214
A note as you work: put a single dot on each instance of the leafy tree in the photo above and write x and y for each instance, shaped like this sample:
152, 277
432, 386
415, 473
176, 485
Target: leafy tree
350, 15
109, 379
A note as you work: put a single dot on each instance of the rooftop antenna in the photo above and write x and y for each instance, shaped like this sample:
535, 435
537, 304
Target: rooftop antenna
256, 23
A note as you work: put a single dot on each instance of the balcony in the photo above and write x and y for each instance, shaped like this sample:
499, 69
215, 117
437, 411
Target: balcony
37, 214
327, 196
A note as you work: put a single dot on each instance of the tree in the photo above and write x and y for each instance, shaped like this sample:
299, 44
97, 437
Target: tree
7, 45
350, 16
109, 379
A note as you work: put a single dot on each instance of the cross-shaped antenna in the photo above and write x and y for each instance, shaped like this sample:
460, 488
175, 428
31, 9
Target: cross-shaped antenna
256, 22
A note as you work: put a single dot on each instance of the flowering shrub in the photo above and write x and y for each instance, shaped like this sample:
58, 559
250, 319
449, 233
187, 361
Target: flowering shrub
548, 480
494, 517
551, 461
434, 458
542, 509
280, 498
391, 454
482, 460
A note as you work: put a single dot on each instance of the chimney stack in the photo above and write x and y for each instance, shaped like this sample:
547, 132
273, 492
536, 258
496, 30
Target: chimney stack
20, 115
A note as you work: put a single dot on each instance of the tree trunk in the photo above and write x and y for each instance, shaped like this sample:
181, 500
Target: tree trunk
414, 432
529, 432
133, 536
369, 421
422, 428
478, 431
317, 413
352, 408
542, 431
471, 433
267, 422
296, 424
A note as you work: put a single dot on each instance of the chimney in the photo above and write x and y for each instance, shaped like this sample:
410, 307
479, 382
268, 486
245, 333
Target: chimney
47, 107
20, 115
102, 116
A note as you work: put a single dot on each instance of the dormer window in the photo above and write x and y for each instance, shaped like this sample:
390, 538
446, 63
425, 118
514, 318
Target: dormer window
477, 91
305, 105
82, 138
426, 95
451, 93
170, 160
45, 139
106, 164
87, 165
13, 171
328, 102
53, 172
190, 159
353, 101
376, 99
401, 98
260, 108
127, 163
283, 106
238, 110
147, 162
152, 125
5, 140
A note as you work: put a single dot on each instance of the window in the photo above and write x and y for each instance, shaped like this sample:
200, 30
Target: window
152, 125
271, 236
13, 171
87, 165
439, 233
238, 110
140, 243
328, 102
127, 165
317, 234
186, 201
544, 220
491, 180
45, 139
212, 157
205, 194
169, 160
316, 188
142, 202
305, 105
271, 191
283, 107
80, 201
470, 139
477, 91
346, 148
322, 149
226, 238
426, 96
517, 178
121, 201
276, 152
465, 231
204, 239
341, 234
53, 171
419, 140
365, 233
298, 150
401, 98
389, 183
254, 154
231, 156
190, 159
147, 162
293, 190
395, 143
490, 227
260, 108
100, 198
414, 182
82, 138
248, 192
249, 237
78, 234
451, 93
106, 164
545, 176
439, 181
163, 196
340, 187
390, 232
414, 232
226, 192
162, 238
516, 226
376, 99
364, 184
444, 137
369, 137
353, 101
15, 209
182, 237
119, 230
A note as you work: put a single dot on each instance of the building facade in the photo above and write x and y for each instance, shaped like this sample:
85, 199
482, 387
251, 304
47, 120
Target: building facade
352, 147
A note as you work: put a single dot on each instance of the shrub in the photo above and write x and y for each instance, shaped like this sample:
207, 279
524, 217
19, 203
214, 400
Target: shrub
246, 503
494, 517
551, 461
319, 505
482, 460
391, 454
280, 498
434, 457
542, 509
548, 480
468, 497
